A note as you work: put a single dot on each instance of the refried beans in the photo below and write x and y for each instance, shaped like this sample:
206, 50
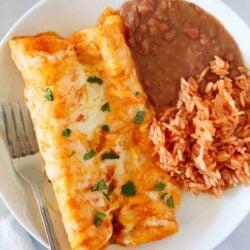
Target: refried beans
173, 39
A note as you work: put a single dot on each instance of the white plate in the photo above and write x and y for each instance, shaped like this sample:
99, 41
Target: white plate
204, 221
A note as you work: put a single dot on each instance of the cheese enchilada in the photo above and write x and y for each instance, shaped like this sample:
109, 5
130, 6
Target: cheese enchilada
92, 119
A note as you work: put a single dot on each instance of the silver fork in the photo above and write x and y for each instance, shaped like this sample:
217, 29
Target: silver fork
23, 148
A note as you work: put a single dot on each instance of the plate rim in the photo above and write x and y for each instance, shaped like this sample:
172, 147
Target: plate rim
37, 236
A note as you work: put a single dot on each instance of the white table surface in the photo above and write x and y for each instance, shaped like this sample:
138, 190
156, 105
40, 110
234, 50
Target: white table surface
11, 10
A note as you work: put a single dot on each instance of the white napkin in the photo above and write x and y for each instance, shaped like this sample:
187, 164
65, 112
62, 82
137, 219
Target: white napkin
12, 235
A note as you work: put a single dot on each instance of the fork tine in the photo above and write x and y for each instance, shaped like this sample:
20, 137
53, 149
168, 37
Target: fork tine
6, 125
13, 120
8, 133
20, 149
26, 141
33, 134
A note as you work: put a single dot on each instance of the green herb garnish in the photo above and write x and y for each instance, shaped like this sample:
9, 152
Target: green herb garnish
129, 189
140, 115
98, 218
105, 128
99, 186
159, 186
48, 94
110, 155
67, 132
107, 195
170, 202
89, 154
95, 79
163, 196
137, 93
105, 107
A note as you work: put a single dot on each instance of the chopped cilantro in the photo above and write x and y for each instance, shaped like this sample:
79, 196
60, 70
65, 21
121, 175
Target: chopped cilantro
129, 189
48, 94
163, 196
107, 195
140, 115
99, 186
105, 128
159, 186
137, 93
98, 218
170, 202
95, 79
110, 155
105, 107
67, 132
89, 154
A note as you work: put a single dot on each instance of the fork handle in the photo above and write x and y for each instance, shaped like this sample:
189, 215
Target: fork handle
46, 219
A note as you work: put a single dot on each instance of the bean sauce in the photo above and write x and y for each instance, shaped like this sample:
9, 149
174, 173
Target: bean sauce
173, 39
